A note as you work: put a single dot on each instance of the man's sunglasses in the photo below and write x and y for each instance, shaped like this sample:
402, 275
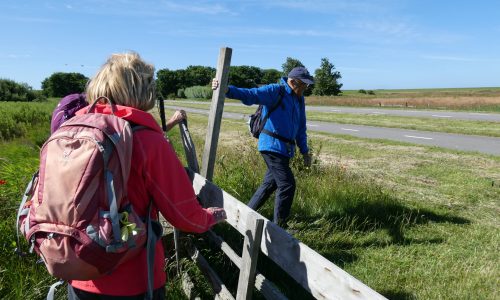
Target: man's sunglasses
300, 83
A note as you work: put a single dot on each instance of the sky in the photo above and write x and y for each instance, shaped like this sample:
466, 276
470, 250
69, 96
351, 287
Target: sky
379, 44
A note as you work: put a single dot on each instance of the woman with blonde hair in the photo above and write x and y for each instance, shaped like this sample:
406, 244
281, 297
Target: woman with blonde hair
156, 173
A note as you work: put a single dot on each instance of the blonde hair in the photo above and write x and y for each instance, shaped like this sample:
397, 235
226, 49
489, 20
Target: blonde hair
125, 79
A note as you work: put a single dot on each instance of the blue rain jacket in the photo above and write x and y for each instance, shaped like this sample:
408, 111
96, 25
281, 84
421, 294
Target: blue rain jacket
288, 120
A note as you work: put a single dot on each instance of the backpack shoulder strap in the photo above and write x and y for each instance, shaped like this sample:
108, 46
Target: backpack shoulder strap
280, 98
279, 137
273, 108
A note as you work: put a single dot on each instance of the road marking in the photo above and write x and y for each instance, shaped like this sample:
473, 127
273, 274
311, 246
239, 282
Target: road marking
480, 114
441, 116
418, 137
349, 129
312, 125
335, 110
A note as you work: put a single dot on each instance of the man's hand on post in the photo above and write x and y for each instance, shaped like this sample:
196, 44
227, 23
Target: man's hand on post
215, 84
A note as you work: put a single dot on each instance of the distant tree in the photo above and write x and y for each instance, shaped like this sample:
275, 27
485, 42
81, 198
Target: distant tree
167, 82
270, 76
289, 64
198, 75
61, 84
13, 91
326, 80
245, 76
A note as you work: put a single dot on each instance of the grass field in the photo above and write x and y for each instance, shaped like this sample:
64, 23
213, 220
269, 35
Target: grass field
468, 99
415, 123
475, 99
412, 222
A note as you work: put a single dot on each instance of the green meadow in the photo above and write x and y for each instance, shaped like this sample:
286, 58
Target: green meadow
470, 127
411, 222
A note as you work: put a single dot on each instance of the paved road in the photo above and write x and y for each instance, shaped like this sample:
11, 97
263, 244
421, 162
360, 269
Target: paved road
440, 114
488, 145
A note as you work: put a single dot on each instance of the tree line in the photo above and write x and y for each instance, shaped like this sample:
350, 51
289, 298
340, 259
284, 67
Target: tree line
192, 82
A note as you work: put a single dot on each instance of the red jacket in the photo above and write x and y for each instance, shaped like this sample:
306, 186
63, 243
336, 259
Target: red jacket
155, 171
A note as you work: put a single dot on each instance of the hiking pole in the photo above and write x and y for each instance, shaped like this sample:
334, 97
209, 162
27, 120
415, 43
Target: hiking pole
189, 148
161, 107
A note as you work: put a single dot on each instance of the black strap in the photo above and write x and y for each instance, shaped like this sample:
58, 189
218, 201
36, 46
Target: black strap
279, 137
273, 108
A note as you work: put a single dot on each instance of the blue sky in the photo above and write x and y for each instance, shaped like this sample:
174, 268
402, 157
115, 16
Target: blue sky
374, 44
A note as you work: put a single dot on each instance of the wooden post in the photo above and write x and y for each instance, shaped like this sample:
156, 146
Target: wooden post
251, 247
215, 117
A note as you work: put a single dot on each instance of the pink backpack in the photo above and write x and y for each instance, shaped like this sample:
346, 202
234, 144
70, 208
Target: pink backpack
75, 212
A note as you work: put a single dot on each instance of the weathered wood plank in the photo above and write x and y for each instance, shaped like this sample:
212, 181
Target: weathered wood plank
218, 286
188, 287
215, 116
251, 247
262, 284
222, 245
267, 288
319, 276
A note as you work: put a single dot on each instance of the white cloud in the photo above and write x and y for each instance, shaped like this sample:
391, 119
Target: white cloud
248, 31
355, 69
30, 19
149, 7
328, 6
199, 8
15, 56
451, 58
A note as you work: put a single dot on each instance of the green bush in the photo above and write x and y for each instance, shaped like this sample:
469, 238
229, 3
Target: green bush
198, 92
180, 93
361, 91
17, 118
13, 91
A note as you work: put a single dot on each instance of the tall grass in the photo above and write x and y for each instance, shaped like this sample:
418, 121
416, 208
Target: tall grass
18, 118
475, 99
411, 222
20, 277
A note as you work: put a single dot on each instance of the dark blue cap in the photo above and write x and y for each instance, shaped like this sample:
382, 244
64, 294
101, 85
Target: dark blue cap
302, 74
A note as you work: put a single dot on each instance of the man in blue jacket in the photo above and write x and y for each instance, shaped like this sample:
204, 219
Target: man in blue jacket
285, 128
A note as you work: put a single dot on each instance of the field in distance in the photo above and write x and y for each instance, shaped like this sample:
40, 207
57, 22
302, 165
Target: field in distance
476, 99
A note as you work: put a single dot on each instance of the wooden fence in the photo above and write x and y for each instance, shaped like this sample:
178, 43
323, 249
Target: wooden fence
316, 274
